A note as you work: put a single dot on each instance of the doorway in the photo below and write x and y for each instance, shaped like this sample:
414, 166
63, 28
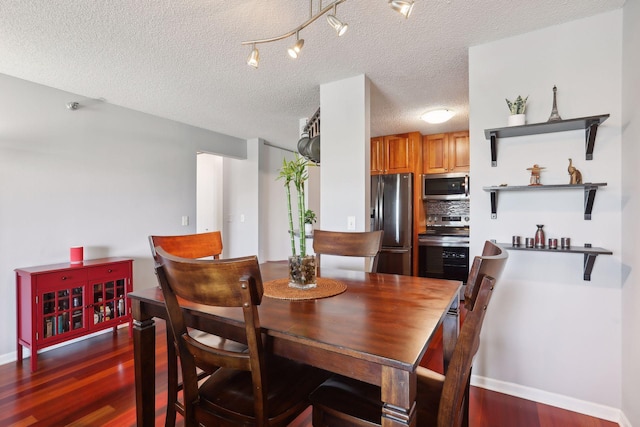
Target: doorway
209, 212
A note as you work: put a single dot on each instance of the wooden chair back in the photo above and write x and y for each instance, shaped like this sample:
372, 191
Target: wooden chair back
490, 263
224, 283
454, 398
199, 245
353, 244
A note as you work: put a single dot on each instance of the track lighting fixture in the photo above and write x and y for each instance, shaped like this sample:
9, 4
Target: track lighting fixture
254, 57
294, 50
401, 6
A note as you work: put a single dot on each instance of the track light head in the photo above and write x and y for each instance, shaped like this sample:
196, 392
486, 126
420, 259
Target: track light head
403, 7
254, 57
294, 51
337, 25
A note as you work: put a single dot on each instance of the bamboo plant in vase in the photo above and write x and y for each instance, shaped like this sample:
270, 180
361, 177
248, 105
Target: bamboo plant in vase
302, 267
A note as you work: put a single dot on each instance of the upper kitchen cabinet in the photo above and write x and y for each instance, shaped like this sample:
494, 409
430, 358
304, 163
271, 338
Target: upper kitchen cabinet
445, 152
392, 154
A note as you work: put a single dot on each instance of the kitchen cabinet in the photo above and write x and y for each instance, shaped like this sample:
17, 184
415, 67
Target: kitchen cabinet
59, 302
377, 155
392, 154
445, 152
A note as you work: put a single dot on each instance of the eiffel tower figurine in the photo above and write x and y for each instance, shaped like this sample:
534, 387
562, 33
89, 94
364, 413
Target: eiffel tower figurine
554, 111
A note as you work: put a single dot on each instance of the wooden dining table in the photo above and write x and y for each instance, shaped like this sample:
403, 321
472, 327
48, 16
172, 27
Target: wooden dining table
376, 331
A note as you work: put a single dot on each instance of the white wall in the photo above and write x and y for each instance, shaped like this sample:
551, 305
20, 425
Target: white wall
550, 336
209, 193
102, 176
274, 226
345, 182
630, 208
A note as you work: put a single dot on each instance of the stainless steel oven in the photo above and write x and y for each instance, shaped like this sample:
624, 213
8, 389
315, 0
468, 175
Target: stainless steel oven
444, 257
443, 251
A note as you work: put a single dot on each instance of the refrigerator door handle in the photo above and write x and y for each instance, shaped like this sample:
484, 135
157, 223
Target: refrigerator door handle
380, 205
466, 185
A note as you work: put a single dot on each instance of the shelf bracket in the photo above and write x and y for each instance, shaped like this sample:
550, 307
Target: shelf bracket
590, 138
494, 204
494, 149
589, 197
589, 260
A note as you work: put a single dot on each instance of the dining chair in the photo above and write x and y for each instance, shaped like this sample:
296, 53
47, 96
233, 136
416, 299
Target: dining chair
353, 244
481, 267
197, 246
248, 388
441, 400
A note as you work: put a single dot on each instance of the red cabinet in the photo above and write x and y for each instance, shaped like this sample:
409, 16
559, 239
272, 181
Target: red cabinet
60, 302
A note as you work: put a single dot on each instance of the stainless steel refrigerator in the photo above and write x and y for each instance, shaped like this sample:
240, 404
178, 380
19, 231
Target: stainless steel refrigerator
392, 212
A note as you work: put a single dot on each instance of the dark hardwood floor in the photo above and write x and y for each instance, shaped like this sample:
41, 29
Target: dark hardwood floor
91, 383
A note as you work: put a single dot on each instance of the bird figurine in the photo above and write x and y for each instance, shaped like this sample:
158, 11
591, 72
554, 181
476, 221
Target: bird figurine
575, 176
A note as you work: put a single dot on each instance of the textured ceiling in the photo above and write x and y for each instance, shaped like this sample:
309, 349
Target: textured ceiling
182, 59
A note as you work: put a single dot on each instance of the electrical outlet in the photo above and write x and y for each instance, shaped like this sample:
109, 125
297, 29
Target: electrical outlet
185, 220
351, 223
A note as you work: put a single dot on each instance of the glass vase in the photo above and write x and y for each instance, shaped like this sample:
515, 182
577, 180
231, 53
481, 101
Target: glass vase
302, 272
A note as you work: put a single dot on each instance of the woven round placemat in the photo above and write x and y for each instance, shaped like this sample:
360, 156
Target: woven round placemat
325, 288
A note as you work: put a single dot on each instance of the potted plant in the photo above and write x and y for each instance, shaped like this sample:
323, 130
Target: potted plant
517, 109
309, 220
302, 267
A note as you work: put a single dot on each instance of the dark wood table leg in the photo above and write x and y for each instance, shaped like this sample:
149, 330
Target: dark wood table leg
144, 357
398, 393
450, 332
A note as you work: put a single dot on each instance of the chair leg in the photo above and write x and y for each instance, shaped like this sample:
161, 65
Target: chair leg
172, 381
465, 404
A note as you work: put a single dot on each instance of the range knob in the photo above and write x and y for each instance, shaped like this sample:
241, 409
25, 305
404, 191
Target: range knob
466, 219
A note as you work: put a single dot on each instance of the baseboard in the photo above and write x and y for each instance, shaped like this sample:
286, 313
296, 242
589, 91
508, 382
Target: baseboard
552, 399
13, 356
624, 421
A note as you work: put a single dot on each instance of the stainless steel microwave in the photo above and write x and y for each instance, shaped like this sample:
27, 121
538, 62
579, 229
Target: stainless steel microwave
445, 186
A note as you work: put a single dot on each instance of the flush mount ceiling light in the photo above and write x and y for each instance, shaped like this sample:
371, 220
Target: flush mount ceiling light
437, 116
400, 6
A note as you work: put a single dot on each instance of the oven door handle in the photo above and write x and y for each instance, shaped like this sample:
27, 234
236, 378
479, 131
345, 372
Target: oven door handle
460, 244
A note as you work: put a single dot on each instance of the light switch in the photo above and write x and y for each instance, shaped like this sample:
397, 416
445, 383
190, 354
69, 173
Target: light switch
351, 223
